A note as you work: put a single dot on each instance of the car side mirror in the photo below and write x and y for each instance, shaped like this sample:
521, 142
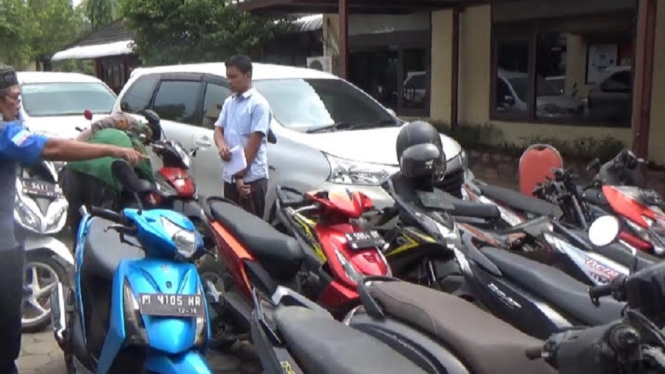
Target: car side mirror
392, 112
271, 137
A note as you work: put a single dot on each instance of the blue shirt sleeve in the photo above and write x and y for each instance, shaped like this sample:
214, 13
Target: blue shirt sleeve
261, 117
19, 144
221, 121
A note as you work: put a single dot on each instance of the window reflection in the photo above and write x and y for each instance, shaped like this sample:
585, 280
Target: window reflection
552, 99
415, 79
512, 79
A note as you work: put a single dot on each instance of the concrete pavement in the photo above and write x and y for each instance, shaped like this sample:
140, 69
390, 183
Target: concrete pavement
40, 354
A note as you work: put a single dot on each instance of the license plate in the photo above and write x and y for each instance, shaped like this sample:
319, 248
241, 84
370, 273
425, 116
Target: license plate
365, 239
170, 305
41, 188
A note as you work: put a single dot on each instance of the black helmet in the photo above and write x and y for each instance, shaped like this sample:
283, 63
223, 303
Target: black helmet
420, 151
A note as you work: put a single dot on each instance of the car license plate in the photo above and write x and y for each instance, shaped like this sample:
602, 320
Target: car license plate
41, 188
365, 239
171, 305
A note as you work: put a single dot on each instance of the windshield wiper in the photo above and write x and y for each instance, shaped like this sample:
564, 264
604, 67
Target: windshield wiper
334, 126
379, 123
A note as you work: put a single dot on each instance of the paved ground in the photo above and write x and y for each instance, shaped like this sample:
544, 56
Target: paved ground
40, 354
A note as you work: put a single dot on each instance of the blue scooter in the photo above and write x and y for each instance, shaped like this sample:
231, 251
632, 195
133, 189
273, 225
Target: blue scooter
137, 304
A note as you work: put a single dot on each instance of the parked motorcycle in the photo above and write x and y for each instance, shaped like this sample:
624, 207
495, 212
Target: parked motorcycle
326, 272
295, 335
137, 304
639, 209
534, 297
41, 213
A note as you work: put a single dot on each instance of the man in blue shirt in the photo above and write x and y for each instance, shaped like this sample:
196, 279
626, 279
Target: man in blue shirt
18, 145
245, 122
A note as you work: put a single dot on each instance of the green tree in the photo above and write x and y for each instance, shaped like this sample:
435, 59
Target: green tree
182, 31
101, 12
54, 24
15, 32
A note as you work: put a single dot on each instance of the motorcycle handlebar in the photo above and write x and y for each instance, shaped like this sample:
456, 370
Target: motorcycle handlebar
597, 292
106, 214
285, 200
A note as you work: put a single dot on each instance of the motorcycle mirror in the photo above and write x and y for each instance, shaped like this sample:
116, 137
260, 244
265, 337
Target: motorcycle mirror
151, 117
88, 115
604, 230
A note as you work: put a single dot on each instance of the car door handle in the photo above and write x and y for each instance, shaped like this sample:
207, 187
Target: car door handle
203, 142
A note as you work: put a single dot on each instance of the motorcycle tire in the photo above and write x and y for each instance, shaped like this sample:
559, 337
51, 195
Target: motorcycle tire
45, 262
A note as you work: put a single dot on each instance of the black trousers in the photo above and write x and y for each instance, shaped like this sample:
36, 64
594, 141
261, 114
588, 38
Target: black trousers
82, 189
255, 203
12, 262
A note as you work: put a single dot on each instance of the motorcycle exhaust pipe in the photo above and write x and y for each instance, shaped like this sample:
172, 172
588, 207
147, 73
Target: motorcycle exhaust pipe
58, 313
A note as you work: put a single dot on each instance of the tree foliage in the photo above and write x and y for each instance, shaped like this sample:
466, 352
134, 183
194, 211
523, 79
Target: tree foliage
35, 29
14, 32
181, 31
101, 12
55, 24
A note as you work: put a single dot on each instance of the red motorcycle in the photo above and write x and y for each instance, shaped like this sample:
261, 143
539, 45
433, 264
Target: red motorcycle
259, 256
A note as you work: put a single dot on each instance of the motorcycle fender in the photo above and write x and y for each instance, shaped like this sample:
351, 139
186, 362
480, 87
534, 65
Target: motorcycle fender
187, 362
53, 245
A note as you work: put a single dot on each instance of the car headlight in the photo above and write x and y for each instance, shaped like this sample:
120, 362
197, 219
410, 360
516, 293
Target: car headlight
184, 240
359, 173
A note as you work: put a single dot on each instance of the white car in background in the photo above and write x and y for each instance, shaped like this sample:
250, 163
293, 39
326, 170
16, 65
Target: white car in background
325, 131
53, 103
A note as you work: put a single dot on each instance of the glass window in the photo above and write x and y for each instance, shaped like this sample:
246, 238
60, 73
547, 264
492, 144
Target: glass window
176, 101
213, 102
63, 99
303, 104
375, 72
415, 95
138, 96
512, 78
551, 103
542, 70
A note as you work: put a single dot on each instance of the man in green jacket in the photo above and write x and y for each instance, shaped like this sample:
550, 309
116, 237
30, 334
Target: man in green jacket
92, 183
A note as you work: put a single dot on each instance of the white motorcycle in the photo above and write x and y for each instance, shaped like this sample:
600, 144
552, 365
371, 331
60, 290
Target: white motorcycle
40, 213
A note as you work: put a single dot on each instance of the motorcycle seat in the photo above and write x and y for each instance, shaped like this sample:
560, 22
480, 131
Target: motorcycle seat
486, 344
517, 200
279, 254
323, 345
554, 286
103, 251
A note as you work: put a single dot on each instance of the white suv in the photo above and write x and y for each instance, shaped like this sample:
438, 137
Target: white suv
359, 151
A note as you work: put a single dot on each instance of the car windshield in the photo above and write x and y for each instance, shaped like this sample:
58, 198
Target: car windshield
305, 104
62, 99
544, 88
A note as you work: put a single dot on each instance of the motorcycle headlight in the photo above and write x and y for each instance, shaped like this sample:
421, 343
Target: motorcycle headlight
27, 217
351, 272
134, 327
56, 216
184, 240
464, 160
358, 173
185, 157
